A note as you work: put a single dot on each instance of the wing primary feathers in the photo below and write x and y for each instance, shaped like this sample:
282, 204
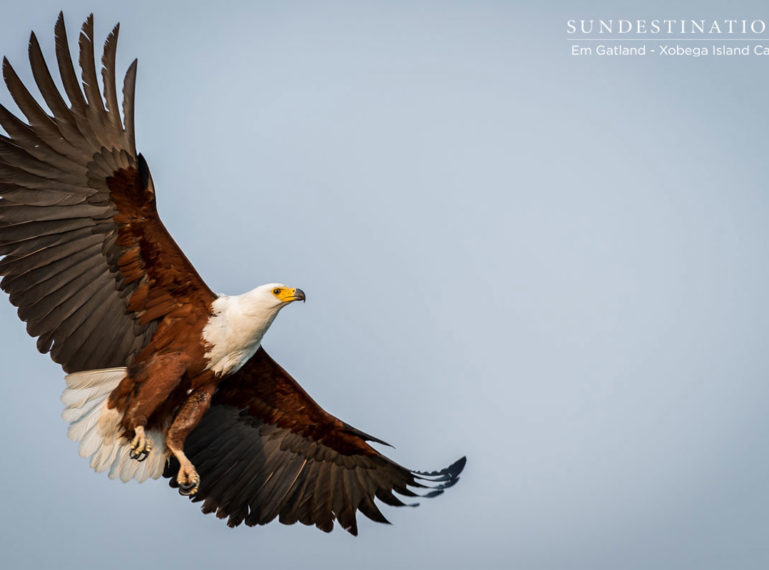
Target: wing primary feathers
63, 270
23, 135
450, 473
32, 181
129, 90
273, 488
90, 333
21, 196
35, 114
296, 506
22, 248
77, 317
67, 69
354, 498
288, 483
63, 312
341, 502
26, 234
88, 67
367, 505
233, 483
45, 83
12, 265
44, 304
304, 501
29, 164
108, 77
388, 498
321, 512
110, 349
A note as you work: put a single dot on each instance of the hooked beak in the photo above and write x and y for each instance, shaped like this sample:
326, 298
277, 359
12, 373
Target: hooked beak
287, 295
297, 295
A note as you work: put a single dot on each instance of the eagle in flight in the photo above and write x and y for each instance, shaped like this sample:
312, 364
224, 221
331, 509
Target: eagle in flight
164, 377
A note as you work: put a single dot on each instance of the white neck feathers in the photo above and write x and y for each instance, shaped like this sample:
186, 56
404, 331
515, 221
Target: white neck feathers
235, 330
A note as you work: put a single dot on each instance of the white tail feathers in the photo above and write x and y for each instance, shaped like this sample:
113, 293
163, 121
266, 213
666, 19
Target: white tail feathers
98, 428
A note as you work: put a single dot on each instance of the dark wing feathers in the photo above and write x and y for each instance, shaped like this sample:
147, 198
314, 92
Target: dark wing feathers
67, 70
95, 104
108, 78
78, 225
48, 90
266, 450
129, 89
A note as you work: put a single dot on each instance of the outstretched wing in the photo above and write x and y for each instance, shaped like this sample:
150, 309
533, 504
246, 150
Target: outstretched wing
265, 449
87, 260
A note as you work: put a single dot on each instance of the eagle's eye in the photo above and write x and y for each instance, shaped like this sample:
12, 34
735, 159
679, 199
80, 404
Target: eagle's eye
276, 291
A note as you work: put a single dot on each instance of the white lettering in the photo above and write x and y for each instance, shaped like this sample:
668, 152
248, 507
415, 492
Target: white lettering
678, 50
670, 27
579, 50
697, 27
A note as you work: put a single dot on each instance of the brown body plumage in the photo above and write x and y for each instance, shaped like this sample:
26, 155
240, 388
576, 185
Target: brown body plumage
110, 295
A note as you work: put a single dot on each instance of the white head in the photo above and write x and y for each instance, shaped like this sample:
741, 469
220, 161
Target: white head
270, 298
238, 323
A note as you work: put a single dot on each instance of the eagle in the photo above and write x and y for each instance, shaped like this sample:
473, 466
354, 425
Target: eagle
163, 377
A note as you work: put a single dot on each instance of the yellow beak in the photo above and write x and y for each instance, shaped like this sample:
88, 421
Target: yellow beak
289, 295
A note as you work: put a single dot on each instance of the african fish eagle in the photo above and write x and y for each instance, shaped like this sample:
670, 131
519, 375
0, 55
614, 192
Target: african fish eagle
163, 376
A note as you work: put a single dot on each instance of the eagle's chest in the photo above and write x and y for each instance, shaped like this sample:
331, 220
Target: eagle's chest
232, 335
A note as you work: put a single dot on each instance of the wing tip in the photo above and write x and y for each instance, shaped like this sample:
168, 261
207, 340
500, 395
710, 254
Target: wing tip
112, 37
88, 25
60, 27
452, 471
436, 482
458, 466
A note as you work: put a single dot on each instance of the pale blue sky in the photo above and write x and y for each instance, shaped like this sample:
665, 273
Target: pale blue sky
556, 266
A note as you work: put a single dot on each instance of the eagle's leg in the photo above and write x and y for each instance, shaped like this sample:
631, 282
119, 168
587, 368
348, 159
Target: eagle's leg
156, 381
185, 421
140, 445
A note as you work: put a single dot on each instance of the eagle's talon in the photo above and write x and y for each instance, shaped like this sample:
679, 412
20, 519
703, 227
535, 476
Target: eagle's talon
139, 456
188, 489
188, 480
140, 445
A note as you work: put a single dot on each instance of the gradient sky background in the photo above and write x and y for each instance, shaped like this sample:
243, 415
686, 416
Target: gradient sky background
555, 265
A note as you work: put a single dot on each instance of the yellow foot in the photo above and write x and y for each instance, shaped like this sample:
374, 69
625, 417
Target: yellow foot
188, 479
140, 446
